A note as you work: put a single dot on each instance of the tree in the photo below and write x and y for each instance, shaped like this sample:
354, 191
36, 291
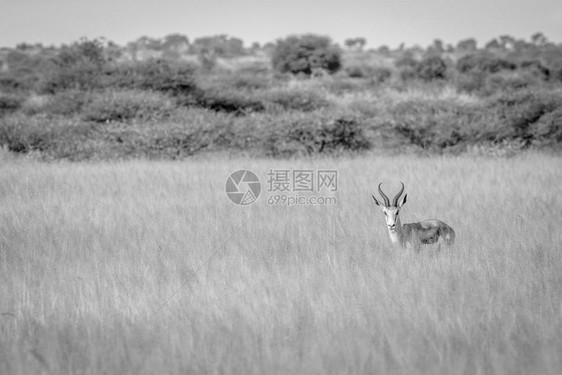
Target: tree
78, 66
507, 42
303, 54
539, 39
349, 43
24, 46
436, 47
358, 43
220, 45
145, 42
176, 42
235, 47
384, 49
467, 45
174, 45
521, 45
493, 45
361, 42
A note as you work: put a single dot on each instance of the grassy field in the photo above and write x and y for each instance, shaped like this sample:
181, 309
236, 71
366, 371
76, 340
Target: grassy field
147, 267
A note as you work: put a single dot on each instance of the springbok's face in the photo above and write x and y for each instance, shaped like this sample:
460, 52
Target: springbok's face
391, 211
391, 217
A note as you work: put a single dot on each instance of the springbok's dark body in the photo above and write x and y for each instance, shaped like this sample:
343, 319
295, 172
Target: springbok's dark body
430, 231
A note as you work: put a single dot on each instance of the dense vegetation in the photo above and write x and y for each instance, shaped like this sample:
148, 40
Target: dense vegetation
303, 95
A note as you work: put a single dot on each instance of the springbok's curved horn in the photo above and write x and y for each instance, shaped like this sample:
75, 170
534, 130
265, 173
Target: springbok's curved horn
395, 200
386, 201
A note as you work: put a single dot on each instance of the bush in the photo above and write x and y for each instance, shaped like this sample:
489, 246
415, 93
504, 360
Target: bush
23, 73
154, 75
304, 54
483, 62
250, 81
9, 104
431, 68
78, 66
377, 74
341, 85
14, 83
230, 101
344, 134
509, 81
407, 67
536, 69
433, 125
355, 71
300, 100
556, 73
428, 69
207, 59
489, 84
22, 135
471, 82
65, 103
548, 128
56, 137
294, 135
238, 80
121, 106
168, 140
521, 117
381, 74
519, 111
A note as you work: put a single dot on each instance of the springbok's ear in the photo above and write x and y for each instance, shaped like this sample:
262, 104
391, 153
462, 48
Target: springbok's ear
403, 201
376, 201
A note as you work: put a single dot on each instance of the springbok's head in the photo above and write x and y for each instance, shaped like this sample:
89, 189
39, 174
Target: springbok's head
391, 210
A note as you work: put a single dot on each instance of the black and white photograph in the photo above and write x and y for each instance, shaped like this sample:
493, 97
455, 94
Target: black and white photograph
280, 187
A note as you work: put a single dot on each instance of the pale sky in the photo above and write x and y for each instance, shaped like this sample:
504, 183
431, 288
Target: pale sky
389, 22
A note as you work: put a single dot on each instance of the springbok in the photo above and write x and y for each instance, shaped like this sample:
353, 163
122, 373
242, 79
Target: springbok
412, 234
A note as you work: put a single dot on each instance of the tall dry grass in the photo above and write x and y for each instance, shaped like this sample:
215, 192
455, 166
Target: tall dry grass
146, 267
